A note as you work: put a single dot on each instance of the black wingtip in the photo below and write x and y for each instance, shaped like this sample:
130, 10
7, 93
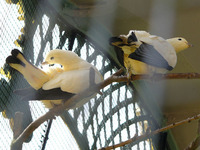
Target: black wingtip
10, 59
114, 39
13, 58
132, 38
148, 54
15, 52
170, 68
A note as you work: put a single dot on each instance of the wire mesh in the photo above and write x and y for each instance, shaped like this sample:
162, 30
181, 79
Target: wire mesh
105, 120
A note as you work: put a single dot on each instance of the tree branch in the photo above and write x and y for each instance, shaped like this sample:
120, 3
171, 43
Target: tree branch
150, 134
90, 91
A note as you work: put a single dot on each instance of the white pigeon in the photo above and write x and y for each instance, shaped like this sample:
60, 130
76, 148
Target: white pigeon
57, 83
143, 53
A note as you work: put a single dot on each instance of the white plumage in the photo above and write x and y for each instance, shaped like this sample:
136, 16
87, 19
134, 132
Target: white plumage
75, 74
145, 53
55, 83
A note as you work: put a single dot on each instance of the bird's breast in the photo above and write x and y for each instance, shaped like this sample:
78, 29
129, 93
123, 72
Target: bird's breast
53, 71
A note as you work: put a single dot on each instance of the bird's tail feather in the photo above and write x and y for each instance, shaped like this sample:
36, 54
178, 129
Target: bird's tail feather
35, 76
40, 94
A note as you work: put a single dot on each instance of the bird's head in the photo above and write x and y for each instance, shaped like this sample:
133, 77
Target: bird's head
179, 43
61, 57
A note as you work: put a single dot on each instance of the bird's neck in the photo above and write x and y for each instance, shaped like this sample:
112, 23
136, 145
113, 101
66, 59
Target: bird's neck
178, 47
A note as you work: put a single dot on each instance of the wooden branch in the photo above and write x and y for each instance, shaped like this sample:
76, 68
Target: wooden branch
150, 134
90, 91
167, 76
29, 130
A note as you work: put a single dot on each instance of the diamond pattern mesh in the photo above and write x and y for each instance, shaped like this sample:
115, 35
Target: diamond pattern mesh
105, 120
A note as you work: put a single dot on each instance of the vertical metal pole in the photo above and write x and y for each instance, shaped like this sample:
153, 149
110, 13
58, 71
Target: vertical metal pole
47, 134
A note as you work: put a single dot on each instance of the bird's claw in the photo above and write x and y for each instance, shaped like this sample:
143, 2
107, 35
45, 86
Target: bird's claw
129, 78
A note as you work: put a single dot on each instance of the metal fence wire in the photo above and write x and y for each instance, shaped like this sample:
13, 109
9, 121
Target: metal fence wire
105, 120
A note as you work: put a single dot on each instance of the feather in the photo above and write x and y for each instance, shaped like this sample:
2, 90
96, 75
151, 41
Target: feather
55, 84
40, 94
147, 54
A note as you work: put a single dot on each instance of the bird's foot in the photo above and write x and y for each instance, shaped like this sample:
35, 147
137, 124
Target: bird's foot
129, 78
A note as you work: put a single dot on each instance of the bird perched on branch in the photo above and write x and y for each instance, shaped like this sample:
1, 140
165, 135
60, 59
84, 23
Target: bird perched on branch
142, 53
56, 83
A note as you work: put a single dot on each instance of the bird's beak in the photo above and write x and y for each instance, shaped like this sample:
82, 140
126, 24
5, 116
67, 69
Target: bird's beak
45, 63
190, 45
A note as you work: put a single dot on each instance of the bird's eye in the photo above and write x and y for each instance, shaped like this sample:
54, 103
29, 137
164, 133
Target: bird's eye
179, 39
52, 58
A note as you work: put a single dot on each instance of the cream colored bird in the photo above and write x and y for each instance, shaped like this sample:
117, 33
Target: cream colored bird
56, 83
143, 53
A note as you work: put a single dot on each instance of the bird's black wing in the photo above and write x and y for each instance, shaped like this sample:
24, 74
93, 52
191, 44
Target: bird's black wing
148, 54
120, 55
13, 58
132, 38
118, 50
52, 94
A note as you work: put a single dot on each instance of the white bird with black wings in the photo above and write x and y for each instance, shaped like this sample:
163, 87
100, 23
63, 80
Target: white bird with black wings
142, 53
57, 83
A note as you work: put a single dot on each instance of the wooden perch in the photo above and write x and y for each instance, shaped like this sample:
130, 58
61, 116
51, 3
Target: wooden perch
150, 134
90, 91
